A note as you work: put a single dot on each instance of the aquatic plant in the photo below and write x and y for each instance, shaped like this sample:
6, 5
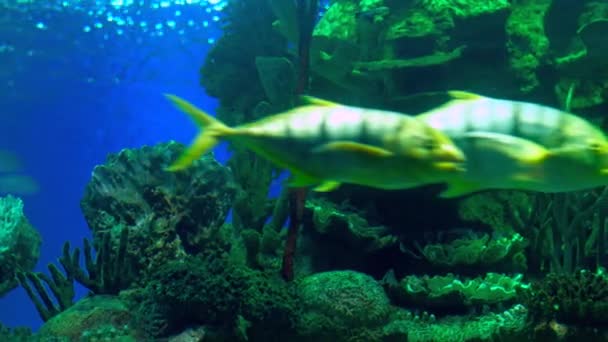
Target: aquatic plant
19, 243
168, 214
110, 272
579, 298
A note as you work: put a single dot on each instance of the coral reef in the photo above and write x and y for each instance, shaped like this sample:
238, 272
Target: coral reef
509, 325
91, 319
451, 293
342, 305
478, 251
167, 214
19, 243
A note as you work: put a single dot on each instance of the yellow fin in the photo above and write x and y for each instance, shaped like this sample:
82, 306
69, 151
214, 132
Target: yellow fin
463, 95
522, 150
213, 131
460, 188
327, 186
351, 146
315, 101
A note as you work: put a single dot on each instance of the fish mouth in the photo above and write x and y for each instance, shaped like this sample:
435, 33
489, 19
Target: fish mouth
450, 153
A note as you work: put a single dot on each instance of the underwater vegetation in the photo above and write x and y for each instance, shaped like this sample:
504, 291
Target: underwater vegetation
516, 249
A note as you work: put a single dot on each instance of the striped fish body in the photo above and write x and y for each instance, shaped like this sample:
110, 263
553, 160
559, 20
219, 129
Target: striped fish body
519, 145
546, 126
324, 143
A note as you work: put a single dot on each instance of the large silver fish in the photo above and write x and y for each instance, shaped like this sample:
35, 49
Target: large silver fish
324, 144
520, 145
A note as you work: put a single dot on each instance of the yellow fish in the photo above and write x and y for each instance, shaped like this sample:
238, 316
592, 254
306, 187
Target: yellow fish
324, 144
520, 145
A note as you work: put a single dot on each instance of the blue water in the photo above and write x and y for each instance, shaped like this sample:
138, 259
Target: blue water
79, 80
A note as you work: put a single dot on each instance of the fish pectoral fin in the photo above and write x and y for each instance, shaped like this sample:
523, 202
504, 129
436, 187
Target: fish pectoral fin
521, 150
327, 186
460, 188
351, 146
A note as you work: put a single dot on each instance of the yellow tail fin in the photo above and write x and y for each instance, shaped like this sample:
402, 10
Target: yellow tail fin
212, 132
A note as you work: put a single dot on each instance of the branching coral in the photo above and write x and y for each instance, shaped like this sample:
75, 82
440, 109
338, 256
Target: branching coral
111, 272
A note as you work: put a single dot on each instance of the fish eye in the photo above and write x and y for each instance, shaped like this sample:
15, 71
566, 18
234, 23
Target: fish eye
428, 144
594, 146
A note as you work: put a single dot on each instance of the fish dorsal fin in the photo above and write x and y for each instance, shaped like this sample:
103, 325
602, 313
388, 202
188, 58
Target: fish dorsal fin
351, 146
463, 95
315, 101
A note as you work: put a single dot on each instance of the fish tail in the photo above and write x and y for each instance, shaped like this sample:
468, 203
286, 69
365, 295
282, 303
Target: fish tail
212, 131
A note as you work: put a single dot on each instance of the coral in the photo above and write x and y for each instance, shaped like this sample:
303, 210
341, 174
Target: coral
487, 327
528, 45
19, 243
90, 318
478, 251
450, 292
214, 292
20, 334
168, 214
579, 298
278, 78
253, 175
248, 33
582, 68
341, 303
109, 273
348, 226
496, 209
466, 8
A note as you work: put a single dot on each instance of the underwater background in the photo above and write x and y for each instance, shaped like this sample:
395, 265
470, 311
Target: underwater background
210, 253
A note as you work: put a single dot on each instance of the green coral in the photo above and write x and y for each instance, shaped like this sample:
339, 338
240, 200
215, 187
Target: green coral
450, 291
466, 8
90, 317
217, 292
528, 45
337, 304
478, 250
19, 243
348, 226
580, 298
487, 327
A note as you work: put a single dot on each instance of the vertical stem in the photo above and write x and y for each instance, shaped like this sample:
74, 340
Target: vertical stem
306, 12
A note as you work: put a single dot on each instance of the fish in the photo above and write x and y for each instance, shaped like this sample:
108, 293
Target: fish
324, 144
519, 145
12, 178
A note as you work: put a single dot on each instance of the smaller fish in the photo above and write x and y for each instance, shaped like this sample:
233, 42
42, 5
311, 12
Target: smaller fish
520, 145
324, 144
